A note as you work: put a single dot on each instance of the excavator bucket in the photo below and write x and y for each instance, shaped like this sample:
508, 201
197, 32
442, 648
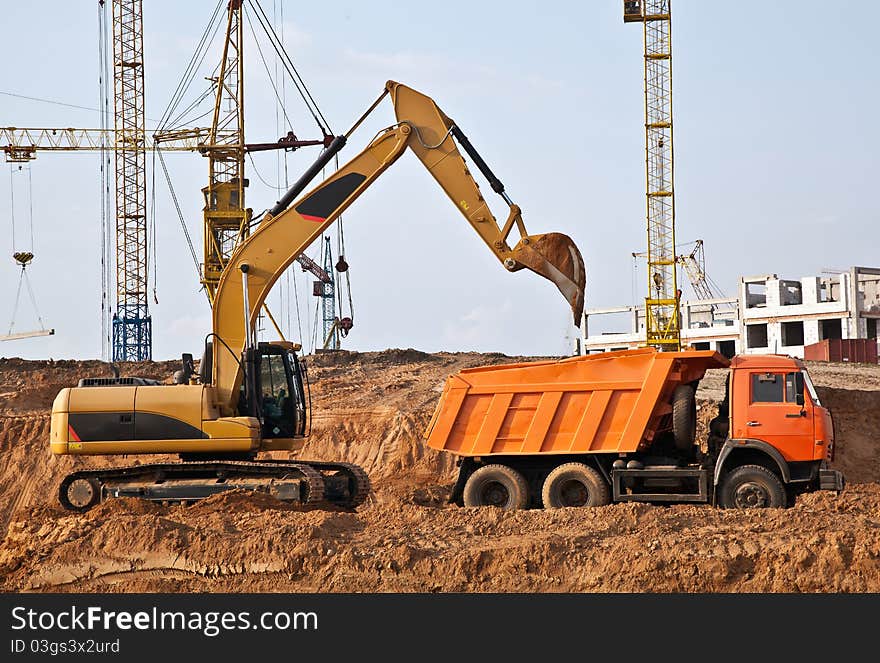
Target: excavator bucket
556, 257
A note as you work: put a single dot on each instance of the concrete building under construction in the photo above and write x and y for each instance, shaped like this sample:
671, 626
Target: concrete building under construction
768, 315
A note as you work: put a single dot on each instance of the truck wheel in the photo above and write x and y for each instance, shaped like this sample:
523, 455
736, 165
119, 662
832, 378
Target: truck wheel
496, 485
575, 484
684, 417
751, 487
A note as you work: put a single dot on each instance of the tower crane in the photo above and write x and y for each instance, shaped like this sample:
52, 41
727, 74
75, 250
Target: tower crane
132, 325
694, 265
226, 220
662, 316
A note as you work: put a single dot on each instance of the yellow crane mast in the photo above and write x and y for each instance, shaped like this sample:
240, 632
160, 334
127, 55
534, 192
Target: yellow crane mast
227, 220
662, 319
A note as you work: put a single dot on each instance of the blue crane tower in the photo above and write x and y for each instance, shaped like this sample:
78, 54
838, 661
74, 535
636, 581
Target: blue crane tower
326, 290
334, 328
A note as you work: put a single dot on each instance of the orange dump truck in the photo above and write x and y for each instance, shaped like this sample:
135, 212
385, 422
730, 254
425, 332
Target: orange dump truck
617, 426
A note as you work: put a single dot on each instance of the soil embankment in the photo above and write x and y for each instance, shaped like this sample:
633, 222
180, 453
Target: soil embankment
371, 409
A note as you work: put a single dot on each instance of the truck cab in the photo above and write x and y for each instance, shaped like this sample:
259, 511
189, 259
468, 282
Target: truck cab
773, 420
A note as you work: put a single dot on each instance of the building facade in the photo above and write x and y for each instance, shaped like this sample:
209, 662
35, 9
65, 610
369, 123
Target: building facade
769, 315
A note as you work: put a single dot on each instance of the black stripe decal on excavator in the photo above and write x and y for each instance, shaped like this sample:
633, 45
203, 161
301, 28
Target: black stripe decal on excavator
116, 426
328, 198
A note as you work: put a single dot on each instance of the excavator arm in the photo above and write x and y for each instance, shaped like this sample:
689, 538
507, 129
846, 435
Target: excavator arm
285, 232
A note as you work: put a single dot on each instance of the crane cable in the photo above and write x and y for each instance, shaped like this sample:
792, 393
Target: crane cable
292, 71
345, 268
104, 114
268, 74
189, 241
282, 159
23, 258
195, 62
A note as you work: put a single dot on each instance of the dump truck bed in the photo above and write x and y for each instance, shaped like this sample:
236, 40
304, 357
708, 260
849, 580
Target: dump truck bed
614, 402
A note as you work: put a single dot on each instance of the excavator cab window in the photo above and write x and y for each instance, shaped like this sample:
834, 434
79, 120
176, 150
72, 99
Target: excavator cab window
279, 391
276, 397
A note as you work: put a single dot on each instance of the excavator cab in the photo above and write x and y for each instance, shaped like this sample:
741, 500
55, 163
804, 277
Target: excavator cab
273, 390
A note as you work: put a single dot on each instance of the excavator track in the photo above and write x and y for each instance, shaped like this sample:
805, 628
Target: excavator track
358, 482
307, 483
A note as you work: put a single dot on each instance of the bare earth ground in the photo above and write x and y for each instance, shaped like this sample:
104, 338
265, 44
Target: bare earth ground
371, 409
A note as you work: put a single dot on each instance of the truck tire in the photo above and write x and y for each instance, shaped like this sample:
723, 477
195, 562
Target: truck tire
684, 417
752, 487
575, 484
497, 485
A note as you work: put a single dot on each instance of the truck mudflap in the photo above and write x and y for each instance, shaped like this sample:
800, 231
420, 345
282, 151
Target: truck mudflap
831, 480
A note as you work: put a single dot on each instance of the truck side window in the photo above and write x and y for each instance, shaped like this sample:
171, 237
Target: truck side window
793, 388
767, 388
789, 388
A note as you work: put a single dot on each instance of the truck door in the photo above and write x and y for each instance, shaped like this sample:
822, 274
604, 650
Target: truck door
774, 415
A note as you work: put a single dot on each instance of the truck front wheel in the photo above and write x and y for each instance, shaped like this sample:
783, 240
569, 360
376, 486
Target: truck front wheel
575, 484
684, 417
496, 485
751, 487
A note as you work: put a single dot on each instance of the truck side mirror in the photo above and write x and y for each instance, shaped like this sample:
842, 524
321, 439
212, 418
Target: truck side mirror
799, 388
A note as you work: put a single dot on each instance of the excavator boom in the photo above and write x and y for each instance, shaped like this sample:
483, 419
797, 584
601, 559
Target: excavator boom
250, 396
286, 232
553, 256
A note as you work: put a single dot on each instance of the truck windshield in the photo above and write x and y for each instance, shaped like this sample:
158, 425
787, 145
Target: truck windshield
811, 388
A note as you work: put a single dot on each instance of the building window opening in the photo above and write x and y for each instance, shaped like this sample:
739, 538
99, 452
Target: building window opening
793, 333
756, 336
727, 348
792, 293
830, 329
829, 290
756, 295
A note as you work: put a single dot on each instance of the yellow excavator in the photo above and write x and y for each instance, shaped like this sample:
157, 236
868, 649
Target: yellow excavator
250, 396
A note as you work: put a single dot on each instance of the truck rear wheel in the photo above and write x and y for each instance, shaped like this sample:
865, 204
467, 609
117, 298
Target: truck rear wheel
496, 485
575, 484
684, 417
751, 487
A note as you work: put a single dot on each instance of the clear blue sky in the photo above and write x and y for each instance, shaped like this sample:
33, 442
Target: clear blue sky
776, 153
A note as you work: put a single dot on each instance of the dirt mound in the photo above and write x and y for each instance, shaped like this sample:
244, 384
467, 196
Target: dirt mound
371, 409
823, 544
856, 430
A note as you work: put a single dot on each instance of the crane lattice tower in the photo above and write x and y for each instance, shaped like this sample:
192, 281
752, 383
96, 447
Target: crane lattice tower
132, 326
662, 319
